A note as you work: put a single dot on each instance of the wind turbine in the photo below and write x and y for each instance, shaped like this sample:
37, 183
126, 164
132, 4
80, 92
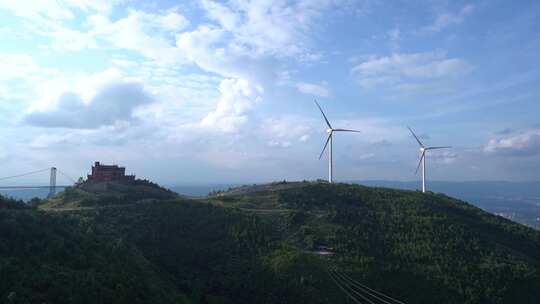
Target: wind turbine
330, 132
422, 161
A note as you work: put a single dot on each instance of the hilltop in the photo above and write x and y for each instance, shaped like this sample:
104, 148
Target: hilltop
261, 244
101, 193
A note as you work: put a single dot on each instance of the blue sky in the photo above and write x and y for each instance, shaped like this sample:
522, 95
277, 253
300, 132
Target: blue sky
222, 91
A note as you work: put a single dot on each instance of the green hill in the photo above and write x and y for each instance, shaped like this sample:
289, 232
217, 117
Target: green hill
263, 244
91, 194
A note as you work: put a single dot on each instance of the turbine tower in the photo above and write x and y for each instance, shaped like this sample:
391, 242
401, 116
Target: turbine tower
330, 132
423, 150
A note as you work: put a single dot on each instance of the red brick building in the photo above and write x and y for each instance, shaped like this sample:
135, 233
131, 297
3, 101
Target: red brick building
101, 173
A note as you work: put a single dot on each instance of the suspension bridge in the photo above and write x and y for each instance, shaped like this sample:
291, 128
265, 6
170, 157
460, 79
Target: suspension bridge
52, 186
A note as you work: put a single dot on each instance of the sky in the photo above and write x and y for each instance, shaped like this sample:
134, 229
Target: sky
191, 92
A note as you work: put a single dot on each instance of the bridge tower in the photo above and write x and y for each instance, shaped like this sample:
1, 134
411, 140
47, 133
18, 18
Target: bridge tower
52, 183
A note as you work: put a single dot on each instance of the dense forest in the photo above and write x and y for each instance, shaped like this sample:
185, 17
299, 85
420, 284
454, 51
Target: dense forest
260, 244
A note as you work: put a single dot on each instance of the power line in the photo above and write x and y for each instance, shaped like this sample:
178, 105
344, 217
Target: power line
343, 289
361, 286
340, 275
358, 284
350, 288
365, 290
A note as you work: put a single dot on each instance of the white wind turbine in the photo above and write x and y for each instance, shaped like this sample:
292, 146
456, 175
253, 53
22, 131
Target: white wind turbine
422, 161
330, 132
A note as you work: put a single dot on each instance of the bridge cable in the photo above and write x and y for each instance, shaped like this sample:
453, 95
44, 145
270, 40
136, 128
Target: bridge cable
66, 176
359, 285
24, 174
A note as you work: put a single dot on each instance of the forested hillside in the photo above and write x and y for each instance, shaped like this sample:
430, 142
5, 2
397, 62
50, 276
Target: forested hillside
404, 242
261, 244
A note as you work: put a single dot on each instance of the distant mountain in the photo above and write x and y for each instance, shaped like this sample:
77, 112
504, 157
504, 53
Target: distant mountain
272, 243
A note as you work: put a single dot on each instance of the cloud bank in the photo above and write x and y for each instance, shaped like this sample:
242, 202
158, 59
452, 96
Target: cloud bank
526, 143
399, 68
113, 103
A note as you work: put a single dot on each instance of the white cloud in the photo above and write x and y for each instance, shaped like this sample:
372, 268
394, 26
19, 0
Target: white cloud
365, 156
280, 144
247, 39
442, 156
237, 98
313, 89
399, 68
246, 42
20, 79
46, 140
207, 48
304, 138
221, 14
55, 10
171, 20
373, 130
123, 63
47, 90
286, 130
37, 9
71, 40
526, 143
114, 102
20, 66
150, 34
447, 19
277, 28
103, 6
394, 36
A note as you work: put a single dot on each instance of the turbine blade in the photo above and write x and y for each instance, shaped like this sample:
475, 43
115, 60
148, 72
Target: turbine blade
326, 144
420, 162
435, 148
326, 119
347, 130
418, 140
